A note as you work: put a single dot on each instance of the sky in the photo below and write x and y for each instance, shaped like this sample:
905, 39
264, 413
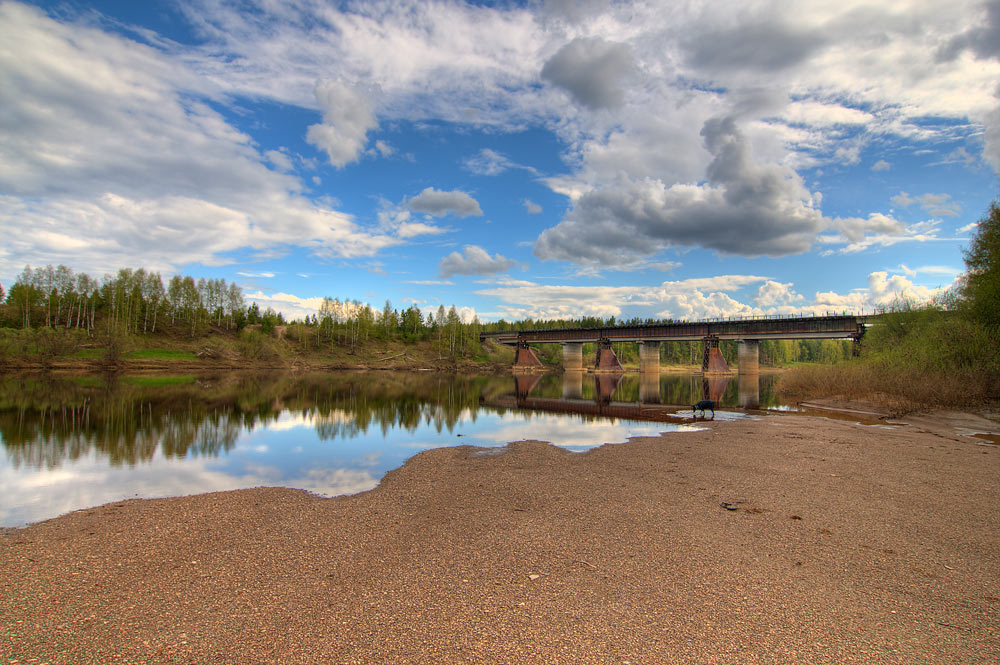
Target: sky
558, 159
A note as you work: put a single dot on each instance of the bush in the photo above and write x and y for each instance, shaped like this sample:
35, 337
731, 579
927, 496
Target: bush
255, 345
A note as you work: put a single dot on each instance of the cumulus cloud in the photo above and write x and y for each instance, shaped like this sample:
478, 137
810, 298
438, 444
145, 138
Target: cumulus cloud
474, 261
881, 165
745, 208
591, 70
532, 207
439, 203
348, 116
699, 298
689, 299
771, 294
983, 40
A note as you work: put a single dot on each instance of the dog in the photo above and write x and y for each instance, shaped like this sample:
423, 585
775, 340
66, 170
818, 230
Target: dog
702, 405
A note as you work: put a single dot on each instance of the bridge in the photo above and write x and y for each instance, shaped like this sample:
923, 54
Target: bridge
748, 332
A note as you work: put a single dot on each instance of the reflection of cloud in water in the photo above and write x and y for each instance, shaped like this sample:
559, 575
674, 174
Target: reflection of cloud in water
289, 420
91, 482
568, 431
334, 482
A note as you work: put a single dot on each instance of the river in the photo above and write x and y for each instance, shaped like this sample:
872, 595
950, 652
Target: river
74, 442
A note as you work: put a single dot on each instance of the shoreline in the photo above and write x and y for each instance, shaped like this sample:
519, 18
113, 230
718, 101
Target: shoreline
848, 544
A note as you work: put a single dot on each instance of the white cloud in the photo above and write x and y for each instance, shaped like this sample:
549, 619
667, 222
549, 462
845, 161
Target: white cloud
439, 203
939, 205
279, 160
688, 299
699, 298
475, 261
532, 207
773, 293
491, 162
881, 165
348, 116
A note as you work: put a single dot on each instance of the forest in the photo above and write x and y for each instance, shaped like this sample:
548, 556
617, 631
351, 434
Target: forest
51, 311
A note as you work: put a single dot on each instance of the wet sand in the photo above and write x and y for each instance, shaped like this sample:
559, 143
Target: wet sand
847, 544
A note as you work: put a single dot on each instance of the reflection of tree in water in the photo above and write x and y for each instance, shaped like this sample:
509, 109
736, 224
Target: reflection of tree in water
398, 402
45, 420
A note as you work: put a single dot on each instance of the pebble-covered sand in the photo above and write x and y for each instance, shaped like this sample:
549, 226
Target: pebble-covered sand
848, 544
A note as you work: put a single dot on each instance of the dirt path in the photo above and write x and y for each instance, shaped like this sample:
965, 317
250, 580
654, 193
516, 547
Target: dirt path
847, 544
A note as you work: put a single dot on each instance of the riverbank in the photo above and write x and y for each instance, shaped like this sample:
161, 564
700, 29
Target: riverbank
847, 544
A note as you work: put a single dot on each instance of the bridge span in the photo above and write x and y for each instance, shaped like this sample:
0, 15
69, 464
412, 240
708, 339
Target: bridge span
748, 332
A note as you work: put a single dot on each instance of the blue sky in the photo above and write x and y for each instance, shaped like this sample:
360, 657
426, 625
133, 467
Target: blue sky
542, 159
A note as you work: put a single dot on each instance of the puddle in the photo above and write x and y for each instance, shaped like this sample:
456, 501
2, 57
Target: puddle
720, 416
856, 417
987, 439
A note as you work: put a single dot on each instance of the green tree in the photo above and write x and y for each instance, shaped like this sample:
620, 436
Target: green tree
982, 261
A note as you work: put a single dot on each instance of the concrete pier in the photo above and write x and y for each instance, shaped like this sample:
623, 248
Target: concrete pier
572, 356
649, 357
749, 356
749, 390
649, 387
572, 385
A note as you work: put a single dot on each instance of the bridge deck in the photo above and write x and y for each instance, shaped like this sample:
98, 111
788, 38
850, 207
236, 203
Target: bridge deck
814, 327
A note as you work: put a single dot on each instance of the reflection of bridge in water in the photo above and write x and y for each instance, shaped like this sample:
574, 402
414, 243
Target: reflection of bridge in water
649, 406
747, 332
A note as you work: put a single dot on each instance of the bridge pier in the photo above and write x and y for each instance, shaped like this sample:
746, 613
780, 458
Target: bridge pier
607, 361
572, 356
649, 388
749, 390
749, 356
572, 385
525, 359
649, 357
712, 361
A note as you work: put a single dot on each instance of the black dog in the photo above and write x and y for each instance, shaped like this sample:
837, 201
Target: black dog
702, 405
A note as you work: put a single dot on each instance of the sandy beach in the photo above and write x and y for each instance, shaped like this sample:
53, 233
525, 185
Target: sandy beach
783, 539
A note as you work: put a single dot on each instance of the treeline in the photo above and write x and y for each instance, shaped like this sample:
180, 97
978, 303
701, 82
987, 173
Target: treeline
132, 301
137, 301
352, 323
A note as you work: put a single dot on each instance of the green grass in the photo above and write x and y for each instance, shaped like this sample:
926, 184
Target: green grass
158, 381
160, 354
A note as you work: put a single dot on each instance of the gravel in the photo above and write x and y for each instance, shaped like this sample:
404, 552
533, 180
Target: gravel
848, 544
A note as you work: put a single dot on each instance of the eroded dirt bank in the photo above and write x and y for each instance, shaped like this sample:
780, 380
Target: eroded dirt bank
848, 544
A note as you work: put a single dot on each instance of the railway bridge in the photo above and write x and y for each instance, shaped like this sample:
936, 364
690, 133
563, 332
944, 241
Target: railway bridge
748, 332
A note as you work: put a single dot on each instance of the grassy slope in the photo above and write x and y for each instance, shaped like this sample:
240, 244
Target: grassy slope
222, 349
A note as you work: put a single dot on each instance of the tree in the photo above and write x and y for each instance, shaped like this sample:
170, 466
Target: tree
982, 261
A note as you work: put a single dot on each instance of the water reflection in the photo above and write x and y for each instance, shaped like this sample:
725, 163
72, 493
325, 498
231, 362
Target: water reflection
74, 442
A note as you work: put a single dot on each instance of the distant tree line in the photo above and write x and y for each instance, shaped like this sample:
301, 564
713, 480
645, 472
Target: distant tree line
131, 301
136, 301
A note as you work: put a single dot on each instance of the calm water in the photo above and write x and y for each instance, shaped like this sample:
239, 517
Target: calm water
76, 442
